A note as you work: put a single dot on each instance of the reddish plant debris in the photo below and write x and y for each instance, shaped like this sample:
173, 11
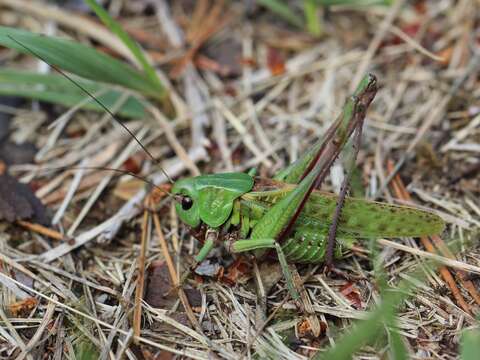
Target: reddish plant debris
22, 307
446, 55
159, 192
164, 355
250, 62
304, 329
230, 90
420, 7
275, 62
239, 272
352, 293
132, 165
18, 202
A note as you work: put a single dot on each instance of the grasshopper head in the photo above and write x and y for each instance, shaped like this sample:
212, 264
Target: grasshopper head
187, 201
209, 198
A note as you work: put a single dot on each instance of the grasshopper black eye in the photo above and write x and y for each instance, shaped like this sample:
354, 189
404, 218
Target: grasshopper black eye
187, 203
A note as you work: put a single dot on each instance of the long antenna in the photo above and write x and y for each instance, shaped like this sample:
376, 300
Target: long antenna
89, 94
103, 168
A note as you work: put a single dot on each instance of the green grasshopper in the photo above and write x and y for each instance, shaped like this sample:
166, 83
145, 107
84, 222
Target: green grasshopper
287, 214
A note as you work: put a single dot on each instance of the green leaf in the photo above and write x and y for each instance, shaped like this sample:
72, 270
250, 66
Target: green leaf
117, 29
56, 89
79, 59
470, 345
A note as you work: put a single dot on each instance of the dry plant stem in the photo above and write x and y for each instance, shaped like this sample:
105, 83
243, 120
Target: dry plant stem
401, 193
173, 140
306, 303
467, 284
42, 230
103, 323
174, 276
14, 334
274, 312
459, 265
412, 42
433, 117
375, 43
40, 330
211, 25
137, 314
75, 22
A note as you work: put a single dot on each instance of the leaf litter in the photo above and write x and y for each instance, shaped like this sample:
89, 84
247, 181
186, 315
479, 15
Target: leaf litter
288, 89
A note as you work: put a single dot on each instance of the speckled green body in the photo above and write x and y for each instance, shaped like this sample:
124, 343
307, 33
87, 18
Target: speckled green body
362, 219
232, 206
286, 213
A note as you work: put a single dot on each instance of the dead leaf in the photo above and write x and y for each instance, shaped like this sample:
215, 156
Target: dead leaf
352, 293
194, 297
237, 273
158, 287
18, 202
226, 55
12, 153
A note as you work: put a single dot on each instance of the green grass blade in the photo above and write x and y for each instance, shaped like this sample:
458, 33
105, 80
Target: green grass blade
310, 9
85, 350
79, 59
283, 10
117, 29
353, 2
470, 345
397, 347
367, 331
56, 89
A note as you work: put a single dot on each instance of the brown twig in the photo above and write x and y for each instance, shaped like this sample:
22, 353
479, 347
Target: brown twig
174, 276
137, 314
42, 230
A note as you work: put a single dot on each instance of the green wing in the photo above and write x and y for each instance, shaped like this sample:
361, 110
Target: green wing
360, 218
